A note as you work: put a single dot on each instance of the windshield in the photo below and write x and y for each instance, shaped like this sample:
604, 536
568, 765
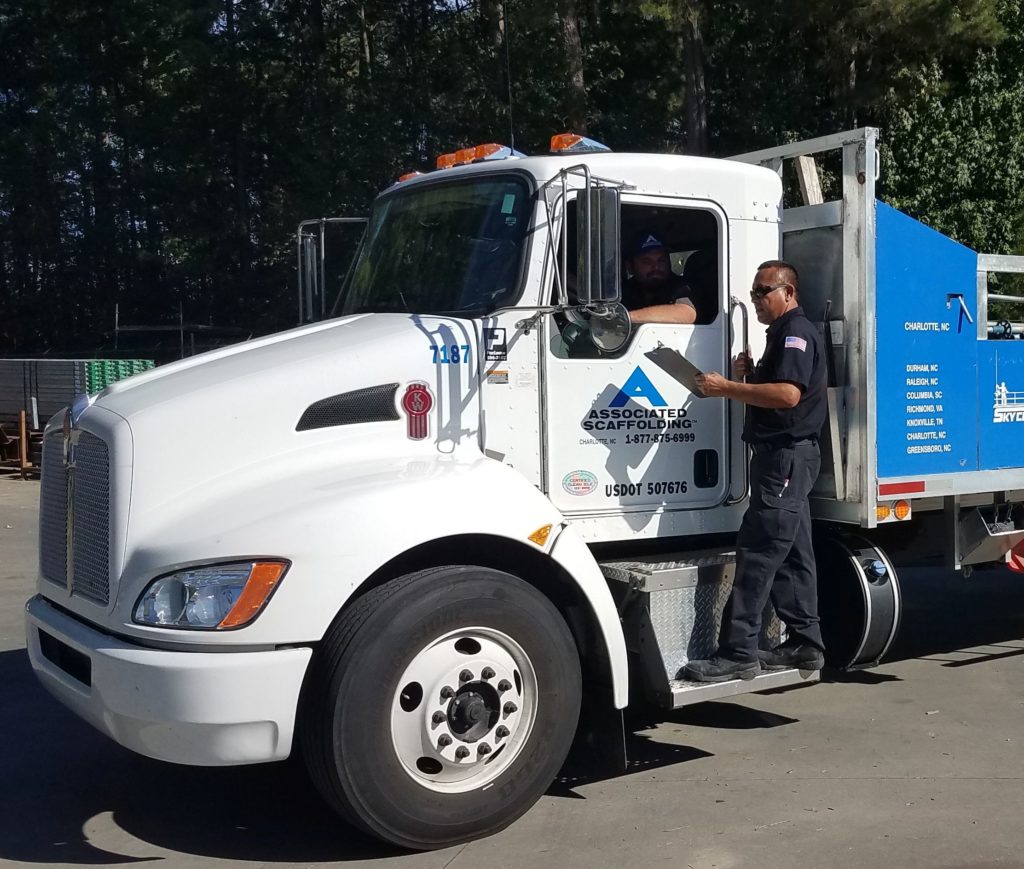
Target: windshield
443, 248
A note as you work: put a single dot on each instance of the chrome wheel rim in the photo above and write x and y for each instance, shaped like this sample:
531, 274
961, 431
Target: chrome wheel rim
464, 709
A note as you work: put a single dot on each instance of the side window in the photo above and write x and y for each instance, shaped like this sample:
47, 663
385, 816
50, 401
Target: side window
670, 256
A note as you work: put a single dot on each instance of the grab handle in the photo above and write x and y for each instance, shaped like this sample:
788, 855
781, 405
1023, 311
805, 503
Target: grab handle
735, 303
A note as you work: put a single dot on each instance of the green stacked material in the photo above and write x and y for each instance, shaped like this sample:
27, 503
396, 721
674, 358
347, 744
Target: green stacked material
100, 373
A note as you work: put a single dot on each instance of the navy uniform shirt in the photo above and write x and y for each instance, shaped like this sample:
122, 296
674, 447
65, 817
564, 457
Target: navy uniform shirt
793, 354
673, 291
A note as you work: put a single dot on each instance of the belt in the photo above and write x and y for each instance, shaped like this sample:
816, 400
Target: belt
757, 449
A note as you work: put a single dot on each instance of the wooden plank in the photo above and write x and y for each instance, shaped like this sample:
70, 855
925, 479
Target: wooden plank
810, 185
836, 423
23, 442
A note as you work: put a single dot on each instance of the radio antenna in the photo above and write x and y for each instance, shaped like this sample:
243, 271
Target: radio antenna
508, 76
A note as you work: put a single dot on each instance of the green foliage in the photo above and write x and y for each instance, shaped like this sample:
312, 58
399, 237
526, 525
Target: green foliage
954, 149
157, 156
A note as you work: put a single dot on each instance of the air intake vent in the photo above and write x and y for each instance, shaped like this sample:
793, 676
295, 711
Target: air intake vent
375, 404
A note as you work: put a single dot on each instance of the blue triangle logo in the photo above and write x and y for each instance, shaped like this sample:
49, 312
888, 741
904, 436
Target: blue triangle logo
638, 386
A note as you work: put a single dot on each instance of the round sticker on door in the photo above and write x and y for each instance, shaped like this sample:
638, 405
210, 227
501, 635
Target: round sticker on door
579, 483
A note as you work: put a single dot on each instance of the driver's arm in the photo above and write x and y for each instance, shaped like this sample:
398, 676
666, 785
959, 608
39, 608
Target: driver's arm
681, 311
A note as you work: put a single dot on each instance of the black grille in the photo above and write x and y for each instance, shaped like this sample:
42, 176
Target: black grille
71, 661
375, 404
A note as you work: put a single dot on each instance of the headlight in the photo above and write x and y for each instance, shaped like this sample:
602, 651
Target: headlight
216, 596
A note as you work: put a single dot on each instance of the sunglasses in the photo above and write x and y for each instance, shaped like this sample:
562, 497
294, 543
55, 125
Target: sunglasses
759, 291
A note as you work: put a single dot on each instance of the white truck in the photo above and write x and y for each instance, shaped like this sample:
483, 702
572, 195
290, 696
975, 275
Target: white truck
408, 540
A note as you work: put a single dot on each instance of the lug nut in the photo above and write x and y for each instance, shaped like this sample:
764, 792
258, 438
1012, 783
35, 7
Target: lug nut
447, 693
465, 676
438, 718
483, 749
488, 673
462, 752
444, 740
504, 685
509, 708
501, 732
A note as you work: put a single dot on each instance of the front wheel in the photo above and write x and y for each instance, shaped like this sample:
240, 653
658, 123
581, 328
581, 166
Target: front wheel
441, 706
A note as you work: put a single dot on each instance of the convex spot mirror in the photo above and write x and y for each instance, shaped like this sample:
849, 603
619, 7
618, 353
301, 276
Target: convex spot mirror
609, 326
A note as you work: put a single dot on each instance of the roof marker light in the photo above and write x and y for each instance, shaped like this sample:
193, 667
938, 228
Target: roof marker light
494, 151
408, 175
476, 153
482, 152
573, 143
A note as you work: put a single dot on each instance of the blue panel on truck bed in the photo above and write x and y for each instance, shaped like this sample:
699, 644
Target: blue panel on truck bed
927, 349
1001, 391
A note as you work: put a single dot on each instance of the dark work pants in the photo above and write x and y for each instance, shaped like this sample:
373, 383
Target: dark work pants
774, 555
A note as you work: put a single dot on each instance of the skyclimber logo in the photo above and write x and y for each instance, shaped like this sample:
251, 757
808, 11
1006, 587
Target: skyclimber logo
1008, 406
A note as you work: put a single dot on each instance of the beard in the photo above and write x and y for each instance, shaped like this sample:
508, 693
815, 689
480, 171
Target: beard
652, 279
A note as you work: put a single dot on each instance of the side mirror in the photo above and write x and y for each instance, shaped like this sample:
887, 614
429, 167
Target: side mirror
609, 326
598, 269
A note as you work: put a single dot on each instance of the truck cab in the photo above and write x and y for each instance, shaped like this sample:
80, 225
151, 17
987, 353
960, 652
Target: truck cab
410, 537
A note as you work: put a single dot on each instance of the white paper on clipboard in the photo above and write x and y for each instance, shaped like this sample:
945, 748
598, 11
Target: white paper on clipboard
677, 366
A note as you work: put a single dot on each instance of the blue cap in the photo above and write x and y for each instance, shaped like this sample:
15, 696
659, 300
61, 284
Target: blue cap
645, 241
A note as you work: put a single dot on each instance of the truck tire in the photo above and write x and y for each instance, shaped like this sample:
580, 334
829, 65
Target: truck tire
441, 706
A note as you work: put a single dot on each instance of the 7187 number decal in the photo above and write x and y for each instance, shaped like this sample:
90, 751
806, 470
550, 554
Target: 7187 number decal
451, 354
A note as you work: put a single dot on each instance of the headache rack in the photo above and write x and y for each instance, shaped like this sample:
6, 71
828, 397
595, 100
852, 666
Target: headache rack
926, 393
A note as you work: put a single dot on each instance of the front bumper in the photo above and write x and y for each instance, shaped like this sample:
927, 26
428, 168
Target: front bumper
200, 708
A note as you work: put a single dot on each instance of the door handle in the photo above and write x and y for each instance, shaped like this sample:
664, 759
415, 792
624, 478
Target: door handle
735, 303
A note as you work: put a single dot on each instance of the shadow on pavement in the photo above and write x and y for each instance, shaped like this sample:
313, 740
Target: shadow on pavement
944, 612
856, 677
59, 774
728, 716
616, 746
60, 777
606, 753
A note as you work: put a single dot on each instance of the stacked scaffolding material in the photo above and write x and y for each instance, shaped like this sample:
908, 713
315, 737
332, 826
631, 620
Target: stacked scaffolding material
100, 373
41, 387
33, 390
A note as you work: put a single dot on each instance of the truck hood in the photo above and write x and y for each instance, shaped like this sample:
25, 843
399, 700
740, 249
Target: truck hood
236, 410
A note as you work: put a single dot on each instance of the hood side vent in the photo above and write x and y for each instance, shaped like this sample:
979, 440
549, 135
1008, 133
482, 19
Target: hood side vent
373, 404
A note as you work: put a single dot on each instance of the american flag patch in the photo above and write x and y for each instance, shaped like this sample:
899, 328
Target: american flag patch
798, 343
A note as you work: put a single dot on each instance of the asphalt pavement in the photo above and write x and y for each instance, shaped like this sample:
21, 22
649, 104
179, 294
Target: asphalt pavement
917, 763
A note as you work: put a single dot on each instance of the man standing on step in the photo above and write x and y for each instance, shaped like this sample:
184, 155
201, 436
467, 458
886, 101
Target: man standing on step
786, 403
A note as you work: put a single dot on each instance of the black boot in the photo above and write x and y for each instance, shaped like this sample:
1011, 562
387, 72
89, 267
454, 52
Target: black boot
793, 653
720, 669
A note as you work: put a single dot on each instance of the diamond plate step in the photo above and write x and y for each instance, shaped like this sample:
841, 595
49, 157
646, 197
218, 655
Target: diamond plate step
664, 572
684, 693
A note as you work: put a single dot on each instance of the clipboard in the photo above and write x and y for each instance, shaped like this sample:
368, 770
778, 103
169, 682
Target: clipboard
677, 366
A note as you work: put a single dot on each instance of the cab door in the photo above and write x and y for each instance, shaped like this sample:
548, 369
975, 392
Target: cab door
621, 434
